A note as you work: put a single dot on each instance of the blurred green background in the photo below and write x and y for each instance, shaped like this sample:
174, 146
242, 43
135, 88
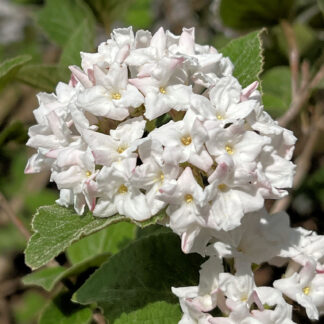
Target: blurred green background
39, 39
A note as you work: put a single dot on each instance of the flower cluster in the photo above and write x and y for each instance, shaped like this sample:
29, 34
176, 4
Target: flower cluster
158, 122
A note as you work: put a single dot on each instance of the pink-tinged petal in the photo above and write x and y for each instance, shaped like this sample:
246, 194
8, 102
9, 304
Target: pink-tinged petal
246, 92
98, 101
145, 85
37, 163
80, 76
307, 273
203, 160
122, 54
156, 104
187, 41
104, 208
79, 203
158, 41
90, 191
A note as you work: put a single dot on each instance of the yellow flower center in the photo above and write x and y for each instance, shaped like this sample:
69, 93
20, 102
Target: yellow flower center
220, 117
121, 149
188, 198
162, 90
116, 96
88, 173
222, 187
186, 140
306, 290
161, 177
229, 149
122, 189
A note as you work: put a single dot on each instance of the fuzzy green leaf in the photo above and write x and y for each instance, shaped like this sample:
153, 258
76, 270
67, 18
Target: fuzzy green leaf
43, 77
249, 14
138, 275
10, 67
61, 18
82, 39
108, 240
157, 313
246, 55
56, 228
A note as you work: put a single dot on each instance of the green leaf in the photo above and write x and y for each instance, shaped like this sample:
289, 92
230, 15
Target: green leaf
109, 240
47, 278
321, 5
62, 311
157, 313
26, 309
44, 278
16, 131
139, 14
82, 39
246, 55
43, 77
249, 14
276, 85
10, 67
56, 228
138, 275
60, 19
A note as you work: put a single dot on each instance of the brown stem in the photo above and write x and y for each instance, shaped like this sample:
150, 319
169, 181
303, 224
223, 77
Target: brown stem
17, 222
293, 55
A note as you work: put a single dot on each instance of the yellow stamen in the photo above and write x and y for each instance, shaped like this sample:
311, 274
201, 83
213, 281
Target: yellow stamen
222, 187
188, 198
116, 96
121, 149
244, 299
306, 290
161, 177
186, 140
220, 117
162, 90
88, 173
229, 149
122, 189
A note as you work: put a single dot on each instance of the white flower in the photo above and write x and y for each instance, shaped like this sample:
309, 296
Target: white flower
120, 144
118, 193
112, 96
306, 288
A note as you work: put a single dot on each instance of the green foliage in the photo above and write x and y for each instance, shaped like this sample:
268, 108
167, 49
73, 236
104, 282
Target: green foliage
142, 273
276, 84
246, 55
10, 67
321, 5
47, 278
249, 14
16, 131
56, 228
158, 313
27, 309
109, 240
43, 77
60, 19
82, 39
62, 311
139, 14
